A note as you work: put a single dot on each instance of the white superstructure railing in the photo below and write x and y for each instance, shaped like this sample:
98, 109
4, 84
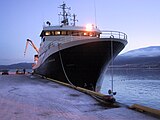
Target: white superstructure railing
113, 34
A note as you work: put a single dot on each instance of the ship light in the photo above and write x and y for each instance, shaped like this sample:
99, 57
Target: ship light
47, 33
85, 34
89, 27
57, 32
91, 34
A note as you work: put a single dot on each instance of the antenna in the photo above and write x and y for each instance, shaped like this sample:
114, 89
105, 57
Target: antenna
74, 19
64, 14
95, 15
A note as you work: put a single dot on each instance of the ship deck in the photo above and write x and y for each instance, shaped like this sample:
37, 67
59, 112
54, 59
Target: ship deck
26, 97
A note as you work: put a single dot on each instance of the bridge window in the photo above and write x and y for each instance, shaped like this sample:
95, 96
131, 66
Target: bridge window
57, 32
63, 32
47, 33
85, 34
91, 34
98, 35
52, 32
75, 33
71, 33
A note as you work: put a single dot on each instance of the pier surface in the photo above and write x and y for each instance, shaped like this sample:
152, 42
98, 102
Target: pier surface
26, 97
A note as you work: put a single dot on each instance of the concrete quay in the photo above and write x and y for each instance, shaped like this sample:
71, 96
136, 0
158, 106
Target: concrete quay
26, 97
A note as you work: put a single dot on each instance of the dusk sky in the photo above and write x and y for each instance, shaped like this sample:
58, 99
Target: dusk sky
22, 19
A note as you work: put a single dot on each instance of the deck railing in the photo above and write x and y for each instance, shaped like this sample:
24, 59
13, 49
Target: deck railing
113, 34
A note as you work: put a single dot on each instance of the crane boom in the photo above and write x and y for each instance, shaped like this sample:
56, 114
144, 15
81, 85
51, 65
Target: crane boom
32, 44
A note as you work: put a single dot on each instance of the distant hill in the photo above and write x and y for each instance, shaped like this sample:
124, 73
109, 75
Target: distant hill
143, 57
151, 51
17, 66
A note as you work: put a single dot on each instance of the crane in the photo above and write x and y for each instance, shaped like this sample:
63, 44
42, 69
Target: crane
32, 44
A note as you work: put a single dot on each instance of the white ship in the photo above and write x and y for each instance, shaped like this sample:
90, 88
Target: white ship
75, 54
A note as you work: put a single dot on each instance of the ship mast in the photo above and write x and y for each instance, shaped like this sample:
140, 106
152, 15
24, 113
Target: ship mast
74, 19
64, 14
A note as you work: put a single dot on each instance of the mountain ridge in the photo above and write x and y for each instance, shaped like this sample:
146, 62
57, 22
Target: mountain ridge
17, 66
143, 57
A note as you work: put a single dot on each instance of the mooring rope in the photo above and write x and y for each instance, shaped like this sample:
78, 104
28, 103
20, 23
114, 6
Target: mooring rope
60, 56
112, 63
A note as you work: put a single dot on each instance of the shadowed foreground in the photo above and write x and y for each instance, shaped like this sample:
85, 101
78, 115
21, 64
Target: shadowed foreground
25, 97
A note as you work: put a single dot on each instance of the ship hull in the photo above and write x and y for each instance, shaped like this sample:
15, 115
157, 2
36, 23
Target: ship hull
80, 65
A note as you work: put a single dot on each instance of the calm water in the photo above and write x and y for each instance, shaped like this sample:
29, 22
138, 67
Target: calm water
134, 86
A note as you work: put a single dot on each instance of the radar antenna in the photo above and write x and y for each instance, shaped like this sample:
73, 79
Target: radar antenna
64, 14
